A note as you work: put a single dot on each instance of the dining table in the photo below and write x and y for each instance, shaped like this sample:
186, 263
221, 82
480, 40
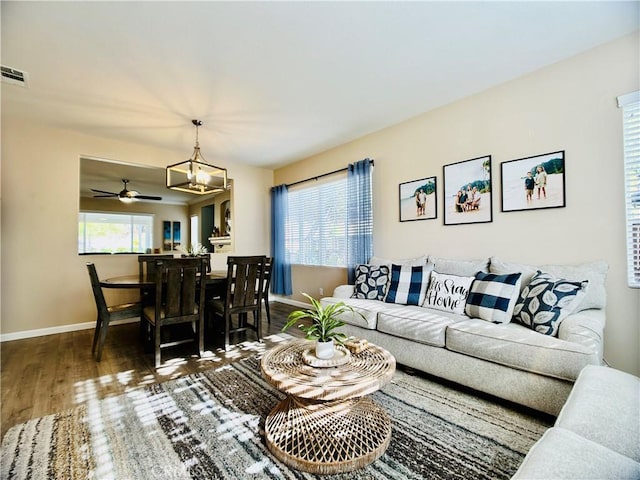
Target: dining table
214, 278
215, 284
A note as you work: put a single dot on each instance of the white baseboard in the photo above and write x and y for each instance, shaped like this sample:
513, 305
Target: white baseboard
41, 332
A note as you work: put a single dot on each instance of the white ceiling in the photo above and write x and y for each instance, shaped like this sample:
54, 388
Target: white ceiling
277, 81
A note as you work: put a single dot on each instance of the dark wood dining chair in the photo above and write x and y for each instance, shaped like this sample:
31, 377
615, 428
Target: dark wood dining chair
107, 314
147, 264
245, 287
206, 257
179, 299
267, 284
147, 270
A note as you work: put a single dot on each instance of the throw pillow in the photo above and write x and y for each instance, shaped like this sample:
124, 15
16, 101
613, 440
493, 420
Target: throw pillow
448, 292
371, 282
408, 284
546, 301
493, 297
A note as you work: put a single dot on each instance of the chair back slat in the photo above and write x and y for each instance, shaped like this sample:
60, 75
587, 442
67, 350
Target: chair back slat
189, 287
245, 277
147, 265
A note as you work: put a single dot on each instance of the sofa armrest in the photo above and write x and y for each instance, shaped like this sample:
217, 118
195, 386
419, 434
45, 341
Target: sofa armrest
344, 291
585, 328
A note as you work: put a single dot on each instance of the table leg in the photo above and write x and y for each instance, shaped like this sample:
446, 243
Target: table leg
327, 437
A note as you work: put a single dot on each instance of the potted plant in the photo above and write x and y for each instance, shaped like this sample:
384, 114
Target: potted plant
324, 325
197, 250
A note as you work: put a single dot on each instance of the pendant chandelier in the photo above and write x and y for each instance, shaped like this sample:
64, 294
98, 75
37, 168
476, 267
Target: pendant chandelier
196, 176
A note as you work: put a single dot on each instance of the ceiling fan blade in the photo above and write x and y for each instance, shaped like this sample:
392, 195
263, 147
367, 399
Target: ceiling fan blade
106, 196
102, 191
147, 197
125, 194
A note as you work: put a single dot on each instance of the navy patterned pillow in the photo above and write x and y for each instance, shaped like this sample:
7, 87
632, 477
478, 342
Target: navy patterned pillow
371, 282
546, 301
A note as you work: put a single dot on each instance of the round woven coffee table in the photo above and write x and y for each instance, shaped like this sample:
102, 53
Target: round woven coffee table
326, 424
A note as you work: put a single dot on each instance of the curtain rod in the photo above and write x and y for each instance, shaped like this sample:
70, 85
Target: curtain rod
322, 175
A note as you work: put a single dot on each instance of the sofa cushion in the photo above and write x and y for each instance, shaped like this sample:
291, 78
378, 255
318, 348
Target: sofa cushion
493, 297
371, 282
366, 311
546, 301
516, 346
596, 272
410, 262
463, 268
408, 285
448, 292
418, 324
561, 455
604, 407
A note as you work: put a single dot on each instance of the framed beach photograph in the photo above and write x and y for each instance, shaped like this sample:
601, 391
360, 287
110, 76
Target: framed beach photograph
533, 183
167, 237
467, 191
176, 235
418, 199
170, 235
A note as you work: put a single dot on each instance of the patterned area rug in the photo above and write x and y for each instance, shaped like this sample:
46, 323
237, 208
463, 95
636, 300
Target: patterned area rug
210, 425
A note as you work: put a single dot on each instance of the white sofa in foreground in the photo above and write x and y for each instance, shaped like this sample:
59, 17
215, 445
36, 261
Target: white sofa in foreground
507, 360
596, 435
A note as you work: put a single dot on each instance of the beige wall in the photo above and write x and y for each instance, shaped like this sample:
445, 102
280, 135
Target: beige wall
567, 106
44, 280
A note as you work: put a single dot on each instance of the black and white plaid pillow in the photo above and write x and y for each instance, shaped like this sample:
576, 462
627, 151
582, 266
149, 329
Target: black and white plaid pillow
408, 284
493, 297
371, 282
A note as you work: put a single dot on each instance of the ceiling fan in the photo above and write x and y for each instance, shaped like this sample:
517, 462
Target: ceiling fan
126, 196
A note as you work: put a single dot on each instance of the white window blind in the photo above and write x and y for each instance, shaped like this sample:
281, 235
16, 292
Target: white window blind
316, 232
630, 105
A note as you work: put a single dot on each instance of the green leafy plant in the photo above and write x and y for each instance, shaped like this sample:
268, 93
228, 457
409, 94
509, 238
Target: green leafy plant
324, 321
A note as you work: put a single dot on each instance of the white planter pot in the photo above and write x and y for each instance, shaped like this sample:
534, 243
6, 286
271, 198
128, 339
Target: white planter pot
324, 350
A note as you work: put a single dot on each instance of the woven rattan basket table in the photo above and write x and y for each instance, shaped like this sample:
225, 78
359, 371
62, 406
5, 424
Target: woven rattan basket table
326, 424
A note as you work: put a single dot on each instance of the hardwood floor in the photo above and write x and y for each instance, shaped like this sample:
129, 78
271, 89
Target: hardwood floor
44, 375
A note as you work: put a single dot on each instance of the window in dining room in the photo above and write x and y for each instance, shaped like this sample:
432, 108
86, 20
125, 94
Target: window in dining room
102, 232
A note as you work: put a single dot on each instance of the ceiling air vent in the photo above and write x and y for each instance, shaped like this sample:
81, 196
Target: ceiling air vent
14, 76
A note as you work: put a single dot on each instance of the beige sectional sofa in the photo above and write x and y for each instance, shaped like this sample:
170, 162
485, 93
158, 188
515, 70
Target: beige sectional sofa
596, 435
507, 360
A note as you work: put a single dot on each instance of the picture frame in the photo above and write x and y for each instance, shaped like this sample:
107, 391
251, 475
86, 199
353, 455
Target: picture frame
170, 235
167, 237
468, 191
418, 199
545, 173
176, 235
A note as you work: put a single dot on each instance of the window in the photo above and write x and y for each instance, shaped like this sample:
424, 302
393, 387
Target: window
630, 104
102, 232
316, 233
